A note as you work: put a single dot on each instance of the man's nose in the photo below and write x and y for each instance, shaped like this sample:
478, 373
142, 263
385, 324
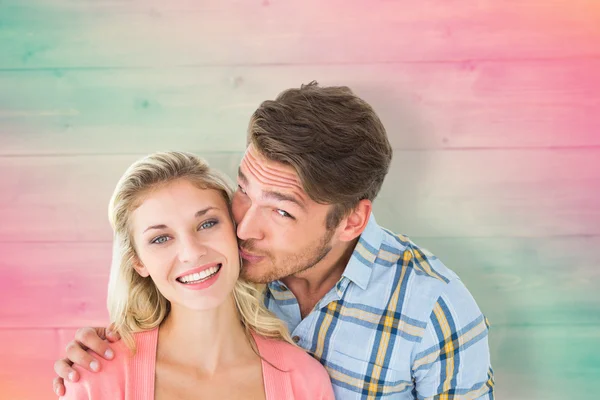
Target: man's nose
249, 227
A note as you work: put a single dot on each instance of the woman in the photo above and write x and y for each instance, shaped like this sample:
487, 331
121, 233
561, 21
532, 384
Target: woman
190, 327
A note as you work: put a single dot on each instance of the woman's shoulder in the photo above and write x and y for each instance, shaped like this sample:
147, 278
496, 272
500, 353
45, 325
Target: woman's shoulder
112, 373
145, 346
94, 385
305, 372
294, 356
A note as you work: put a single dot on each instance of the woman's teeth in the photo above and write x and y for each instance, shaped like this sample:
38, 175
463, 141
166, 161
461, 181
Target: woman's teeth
200, 276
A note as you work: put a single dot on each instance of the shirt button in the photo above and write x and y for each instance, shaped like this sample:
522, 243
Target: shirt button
296, 339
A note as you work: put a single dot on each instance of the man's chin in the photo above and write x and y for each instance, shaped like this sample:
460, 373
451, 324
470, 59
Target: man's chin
252, 274
255, 278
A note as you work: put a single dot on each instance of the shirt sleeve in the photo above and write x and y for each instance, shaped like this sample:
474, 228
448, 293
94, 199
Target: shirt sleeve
453, 357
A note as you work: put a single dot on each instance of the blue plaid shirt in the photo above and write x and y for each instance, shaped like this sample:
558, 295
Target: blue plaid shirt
397, 325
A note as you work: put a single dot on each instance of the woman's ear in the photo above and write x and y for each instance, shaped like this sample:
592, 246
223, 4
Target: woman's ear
140, 268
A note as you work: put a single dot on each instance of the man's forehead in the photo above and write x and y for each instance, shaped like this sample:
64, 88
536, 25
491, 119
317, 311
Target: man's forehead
260, 166
273, 176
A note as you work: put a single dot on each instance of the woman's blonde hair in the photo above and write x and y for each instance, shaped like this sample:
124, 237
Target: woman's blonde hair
134, 303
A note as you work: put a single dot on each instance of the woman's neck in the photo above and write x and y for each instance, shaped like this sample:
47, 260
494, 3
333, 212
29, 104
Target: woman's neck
206, 340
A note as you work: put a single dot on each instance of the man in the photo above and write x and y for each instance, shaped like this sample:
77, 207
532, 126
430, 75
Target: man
385, 317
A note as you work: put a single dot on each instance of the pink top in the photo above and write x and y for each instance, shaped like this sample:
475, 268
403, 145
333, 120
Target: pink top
132, 378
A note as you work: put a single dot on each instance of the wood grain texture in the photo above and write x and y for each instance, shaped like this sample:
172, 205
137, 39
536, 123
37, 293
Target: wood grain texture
54, 284
546, 363
28, 357
492, 107
516, 282
137, 33
423, 106
520, 193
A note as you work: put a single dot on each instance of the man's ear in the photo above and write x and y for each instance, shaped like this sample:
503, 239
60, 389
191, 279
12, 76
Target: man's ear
354, 224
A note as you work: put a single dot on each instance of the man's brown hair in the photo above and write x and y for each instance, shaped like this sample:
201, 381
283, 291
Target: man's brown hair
334, 140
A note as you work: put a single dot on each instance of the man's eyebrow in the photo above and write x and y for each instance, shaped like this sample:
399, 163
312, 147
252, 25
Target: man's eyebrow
283, 197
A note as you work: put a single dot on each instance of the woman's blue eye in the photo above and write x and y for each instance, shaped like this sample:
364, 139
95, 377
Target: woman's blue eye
160, 239
204, 225
208, 224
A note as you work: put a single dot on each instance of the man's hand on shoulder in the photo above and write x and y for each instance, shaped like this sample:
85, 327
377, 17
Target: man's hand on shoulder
94, 339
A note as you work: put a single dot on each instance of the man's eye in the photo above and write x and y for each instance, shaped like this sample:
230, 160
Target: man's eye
160, 240
241, 189
284, 213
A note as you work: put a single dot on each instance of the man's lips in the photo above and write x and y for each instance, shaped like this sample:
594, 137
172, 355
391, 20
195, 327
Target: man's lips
249, 256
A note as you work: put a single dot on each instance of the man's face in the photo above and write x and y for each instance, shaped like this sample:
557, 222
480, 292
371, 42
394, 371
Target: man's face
281, 230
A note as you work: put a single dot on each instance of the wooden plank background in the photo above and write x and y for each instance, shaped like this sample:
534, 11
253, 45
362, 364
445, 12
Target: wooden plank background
493, 110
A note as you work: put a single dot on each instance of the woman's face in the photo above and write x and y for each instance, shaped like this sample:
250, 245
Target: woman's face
186, 243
